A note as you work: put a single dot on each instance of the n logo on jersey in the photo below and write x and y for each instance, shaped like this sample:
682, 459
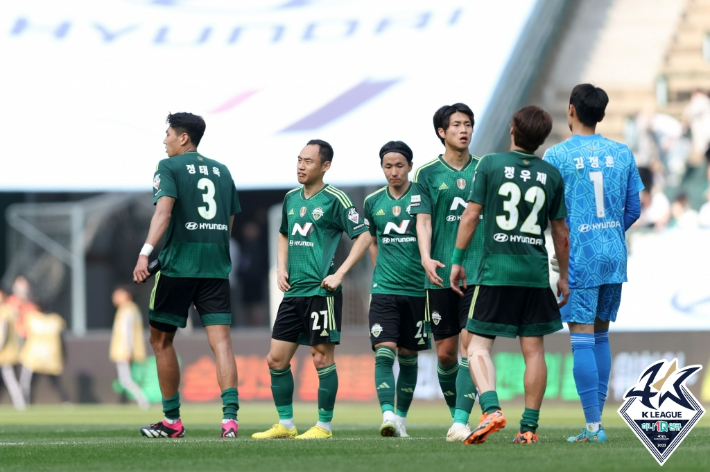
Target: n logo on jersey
458, 201
402, 228
396, 210
304, 230
461, 183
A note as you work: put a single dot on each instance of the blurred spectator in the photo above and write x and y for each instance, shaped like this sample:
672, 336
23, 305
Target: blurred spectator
127, 342
684, 217
642, 137
20, 301
42, 352
704, 214
696, 118
9, 352
655, 207
252, 273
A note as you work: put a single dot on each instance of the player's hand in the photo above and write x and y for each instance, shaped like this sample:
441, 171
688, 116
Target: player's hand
140, 273
430, 266
332, 282
282, 281
458, 274
554, 265
562, 289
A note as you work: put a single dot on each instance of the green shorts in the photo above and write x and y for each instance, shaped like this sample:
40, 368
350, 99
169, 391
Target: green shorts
510, 311
172, 297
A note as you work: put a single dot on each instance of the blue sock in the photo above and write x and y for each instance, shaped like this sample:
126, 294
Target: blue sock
585, 375
602, 353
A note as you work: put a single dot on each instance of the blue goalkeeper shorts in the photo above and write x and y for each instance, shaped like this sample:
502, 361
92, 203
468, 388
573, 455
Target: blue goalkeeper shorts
587, 304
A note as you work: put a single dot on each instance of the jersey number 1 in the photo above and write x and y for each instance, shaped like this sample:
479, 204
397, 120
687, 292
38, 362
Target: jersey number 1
597, 179
210, 210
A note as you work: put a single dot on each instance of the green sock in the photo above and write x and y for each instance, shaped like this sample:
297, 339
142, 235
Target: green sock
230, 404
384, 377
406, 383
465, 393
530, 420
282, 391
447, 381
171, 407
327, 389
489, 401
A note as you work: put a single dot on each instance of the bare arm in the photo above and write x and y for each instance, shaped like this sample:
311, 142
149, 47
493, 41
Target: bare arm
560, 239
424, 240
467, 228
282, 263
158, 225
362, 243
374, 249
231, 224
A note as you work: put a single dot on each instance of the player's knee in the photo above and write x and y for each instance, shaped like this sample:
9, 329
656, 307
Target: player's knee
321, 358
276, 362
447, 358
160, 341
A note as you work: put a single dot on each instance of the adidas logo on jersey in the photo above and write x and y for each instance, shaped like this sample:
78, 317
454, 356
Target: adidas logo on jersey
324, 333
380, 213
383, 385
290, 212
443, 186
421, 341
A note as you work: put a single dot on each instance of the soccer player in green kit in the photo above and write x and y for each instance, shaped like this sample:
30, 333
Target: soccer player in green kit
314, 218
441, 187
518, 194
195, 202
398, 325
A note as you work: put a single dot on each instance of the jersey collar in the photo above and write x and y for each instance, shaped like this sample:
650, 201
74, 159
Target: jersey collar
303, 192
389, 195
470, 160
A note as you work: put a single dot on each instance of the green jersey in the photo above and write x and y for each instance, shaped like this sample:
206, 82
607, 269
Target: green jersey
197, 238
441, 191
398, 270
519, 194
314, 226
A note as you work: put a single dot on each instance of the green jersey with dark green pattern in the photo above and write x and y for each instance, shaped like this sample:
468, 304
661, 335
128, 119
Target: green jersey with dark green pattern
314, 226
398, 269
442, 191
519, 193
197, 238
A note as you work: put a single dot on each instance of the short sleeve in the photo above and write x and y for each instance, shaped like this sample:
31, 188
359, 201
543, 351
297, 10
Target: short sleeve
480, 182
236, 207
558, 207
164, 184
349, 220
283, 229
369, 220
421, 200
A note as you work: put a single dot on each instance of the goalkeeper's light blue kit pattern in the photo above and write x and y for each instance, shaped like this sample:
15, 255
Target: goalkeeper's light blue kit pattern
600, 175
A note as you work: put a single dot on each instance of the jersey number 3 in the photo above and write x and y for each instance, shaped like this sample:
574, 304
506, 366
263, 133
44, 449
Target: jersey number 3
534, 195
210, 210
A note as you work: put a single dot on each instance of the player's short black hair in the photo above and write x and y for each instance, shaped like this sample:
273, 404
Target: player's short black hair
443, 115
531, 127
188, 123
325, 150
397, 146
590, 103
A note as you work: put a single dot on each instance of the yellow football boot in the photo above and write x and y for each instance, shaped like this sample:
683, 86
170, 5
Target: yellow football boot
316, 432
277, 431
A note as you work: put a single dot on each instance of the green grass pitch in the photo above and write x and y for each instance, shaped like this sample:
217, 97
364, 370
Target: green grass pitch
106, 438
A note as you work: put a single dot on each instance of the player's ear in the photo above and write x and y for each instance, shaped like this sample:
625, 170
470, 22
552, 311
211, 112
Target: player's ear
442, 133
184, 139
326, 166
409, 167
571, 111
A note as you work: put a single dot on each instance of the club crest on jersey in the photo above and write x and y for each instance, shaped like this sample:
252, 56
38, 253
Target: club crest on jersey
303, 211
317, 213
396, 210
660, 410
156, 182
436, 317
353, 216
461, 184
376, 329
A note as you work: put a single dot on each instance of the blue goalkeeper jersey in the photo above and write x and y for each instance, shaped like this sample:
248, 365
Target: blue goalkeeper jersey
600, 176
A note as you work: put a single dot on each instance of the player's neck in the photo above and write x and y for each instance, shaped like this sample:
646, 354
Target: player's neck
583, 130
455, 158
311, 189
397, 192
513, 147
187, 149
